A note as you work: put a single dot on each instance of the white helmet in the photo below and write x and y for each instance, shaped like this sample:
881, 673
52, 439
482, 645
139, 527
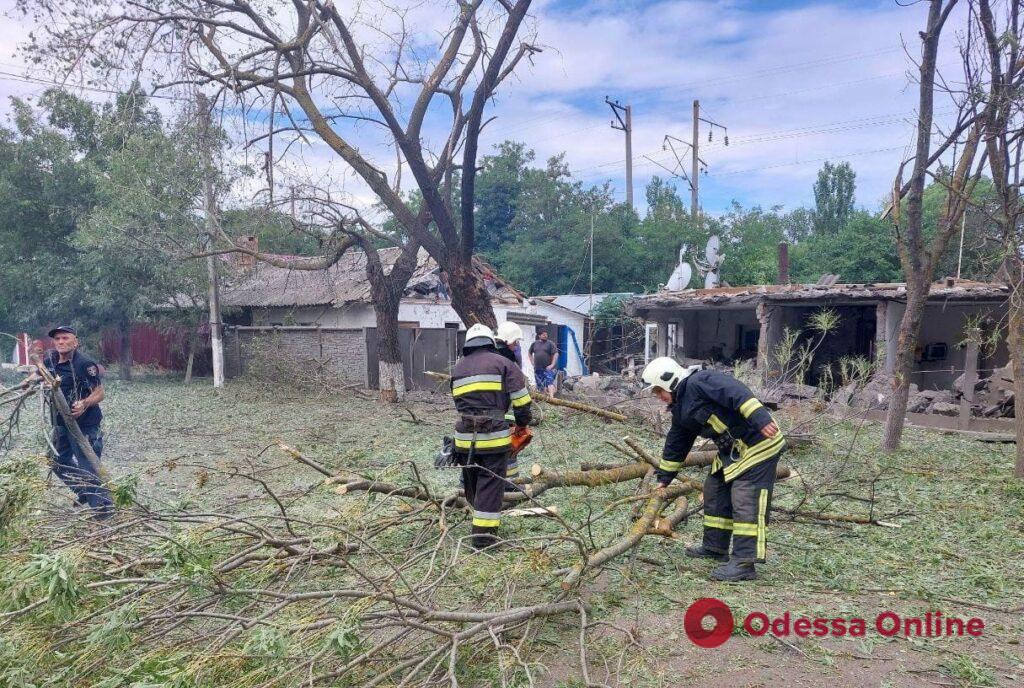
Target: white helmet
663, 372
478, 335
509, 332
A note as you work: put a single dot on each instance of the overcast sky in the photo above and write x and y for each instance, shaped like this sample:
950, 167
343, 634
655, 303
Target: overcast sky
795, 83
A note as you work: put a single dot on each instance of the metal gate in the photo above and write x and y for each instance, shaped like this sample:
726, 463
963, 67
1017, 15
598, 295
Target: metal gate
422, 349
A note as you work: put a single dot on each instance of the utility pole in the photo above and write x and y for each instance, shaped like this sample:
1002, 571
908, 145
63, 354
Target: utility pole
591, 264
697, 164
624, 115
210, 210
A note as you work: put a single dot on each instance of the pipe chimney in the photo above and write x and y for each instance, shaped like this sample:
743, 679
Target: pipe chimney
251, 243
783, 263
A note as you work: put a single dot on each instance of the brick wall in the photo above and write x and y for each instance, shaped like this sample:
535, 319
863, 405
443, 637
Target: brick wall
341, 351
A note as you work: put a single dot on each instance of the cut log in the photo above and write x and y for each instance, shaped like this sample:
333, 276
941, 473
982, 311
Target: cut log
577, 406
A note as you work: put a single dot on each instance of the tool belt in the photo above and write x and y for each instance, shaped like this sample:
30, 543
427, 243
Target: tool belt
482, 421
724, 442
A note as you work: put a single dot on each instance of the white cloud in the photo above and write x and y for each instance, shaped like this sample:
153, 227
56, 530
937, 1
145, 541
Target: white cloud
793, 86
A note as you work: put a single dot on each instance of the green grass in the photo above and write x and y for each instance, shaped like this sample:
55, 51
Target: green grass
960, 536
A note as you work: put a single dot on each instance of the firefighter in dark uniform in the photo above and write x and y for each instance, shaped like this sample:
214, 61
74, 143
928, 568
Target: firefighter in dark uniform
485, 385
738, 489
82, 384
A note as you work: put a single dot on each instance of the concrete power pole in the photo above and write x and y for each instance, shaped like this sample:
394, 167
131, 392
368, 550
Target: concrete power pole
695, 163
624, 115
210, 210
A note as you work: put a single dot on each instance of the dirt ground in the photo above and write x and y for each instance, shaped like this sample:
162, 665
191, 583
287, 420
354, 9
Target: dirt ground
956, 545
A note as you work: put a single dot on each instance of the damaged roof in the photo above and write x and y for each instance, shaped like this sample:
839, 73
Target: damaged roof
343, 283
951, 290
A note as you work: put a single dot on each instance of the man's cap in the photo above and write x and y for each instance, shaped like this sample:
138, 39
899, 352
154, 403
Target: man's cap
62, 328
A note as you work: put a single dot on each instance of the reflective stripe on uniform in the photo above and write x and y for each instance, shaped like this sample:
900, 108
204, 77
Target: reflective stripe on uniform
484, 444
762, 524
469, 379
483, 440
749, 406
476, 383
717, 522
487, 519
760, 452
716, 423
716, 465
745, 529
512, 468
666, 465
521, 398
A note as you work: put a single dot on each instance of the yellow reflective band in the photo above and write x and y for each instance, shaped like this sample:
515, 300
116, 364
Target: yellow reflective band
511, 472
744, 529
749, 406
760, 452
717, 522
524, 392
484, 444
487, 522
666, 465
476, 387
762, 520
767, 445
716, 423
521, 401
716, 465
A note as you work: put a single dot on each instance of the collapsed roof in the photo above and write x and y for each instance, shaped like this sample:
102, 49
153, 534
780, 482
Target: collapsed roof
345, 282
750, 296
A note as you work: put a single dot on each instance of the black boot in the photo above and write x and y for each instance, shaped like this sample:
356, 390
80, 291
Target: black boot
699, 552
484, 538
734, 572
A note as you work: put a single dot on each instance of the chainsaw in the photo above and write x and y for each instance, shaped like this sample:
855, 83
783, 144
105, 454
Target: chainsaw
445, 458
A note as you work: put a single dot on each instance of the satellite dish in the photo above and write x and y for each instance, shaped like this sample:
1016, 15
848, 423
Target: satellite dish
711, 250
711, 280
680, 278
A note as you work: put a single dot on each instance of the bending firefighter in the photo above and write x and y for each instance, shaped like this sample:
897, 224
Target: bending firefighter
485, 386
738, 490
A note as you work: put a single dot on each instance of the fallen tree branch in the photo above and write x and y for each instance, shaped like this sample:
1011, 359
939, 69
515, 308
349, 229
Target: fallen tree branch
554, 401
649, 523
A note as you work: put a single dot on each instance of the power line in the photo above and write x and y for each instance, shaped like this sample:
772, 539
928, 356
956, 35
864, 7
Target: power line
524, 124
10, 76
825, 128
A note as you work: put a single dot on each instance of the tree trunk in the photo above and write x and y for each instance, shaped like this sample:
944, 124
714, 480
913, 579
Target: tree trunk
386, 291
125, 359
191, 355
469, 296
910, 330
1016, 342
392, 375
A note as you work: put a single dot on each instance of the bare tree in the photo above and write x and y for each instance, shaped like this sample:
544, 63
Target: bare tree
919, 254
1003, 142
352, 75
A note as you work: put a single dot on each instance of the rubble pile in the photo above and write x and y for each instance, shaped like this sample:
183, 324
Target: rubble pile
993, 395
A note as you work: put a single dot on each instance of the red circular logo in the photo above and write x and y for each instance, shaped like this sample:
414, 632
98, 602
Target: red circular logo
700, 610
